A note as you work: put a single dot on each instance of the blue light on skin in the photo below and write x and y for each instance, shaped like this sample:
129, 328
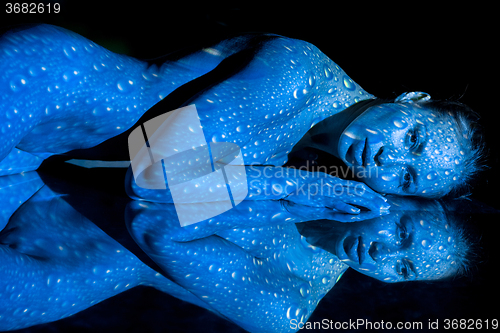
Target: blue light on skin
412, 243
55, 262
249, 264
81, 94
403, 149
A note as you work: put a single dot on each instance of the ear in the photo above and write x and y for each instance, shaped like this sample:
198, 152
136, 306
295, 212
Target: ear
413, 97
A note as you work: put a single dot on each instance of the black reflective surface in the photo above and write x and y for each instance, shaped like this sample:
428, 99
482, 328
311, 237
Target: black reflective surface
77, 240
391, 54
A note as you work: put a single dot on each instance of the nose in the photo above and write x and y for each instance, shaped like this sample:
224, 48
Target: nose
379, 250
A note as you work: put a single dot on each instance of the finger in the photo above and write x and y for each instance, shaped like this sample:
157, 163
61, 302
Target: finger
361, 189
363, 216
353, 187
371, 203
369, 200
344, 207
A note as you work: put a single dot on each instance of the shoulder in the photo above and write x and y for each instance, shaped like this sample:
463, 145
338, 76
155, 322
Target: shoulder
278, 58
30, 32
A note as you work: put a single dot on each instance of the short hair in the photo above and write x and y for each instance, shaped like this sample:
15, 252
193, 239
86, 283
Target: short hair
467, 250
470, 139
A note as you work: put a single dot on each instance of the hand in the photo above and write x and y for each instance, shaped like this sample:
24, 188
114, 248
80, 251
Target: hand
322, 190
308, 213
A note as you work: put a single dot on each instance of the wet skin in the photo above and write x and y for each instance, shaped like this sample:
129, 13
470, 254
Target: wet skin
403, 149
65, 93
411, 244
245, 264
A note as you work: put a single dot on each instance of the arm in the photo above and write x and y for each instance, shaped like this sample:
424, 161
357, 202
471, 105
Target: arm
314, 189
253, 290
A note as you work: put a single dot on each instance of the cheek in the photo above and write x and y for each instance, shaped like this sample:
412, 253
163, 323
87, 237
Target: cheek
383, 180
386, 273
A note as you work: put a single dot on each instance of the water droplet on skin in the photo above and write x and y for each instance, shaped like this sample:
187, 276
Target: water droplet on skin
11, 113
426, 244
69, 75
100, 67
6, 127
312, 80
388, 176
457, 161
90, 48
18, 83
431, 175
293, 312
125, 85
328, 72
332, 90
101, 270
37, 70
300, 93
237, 276
214, 268
349, 84
70, 52
100, 110
219, 137
399, 122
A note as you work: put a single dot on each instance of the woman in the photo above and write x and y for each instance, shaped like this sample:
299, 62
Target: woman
265, 93
250, 265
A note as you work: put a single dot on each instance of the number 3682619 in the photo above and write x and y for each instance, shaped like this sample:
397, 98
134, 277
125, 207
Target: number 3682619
32, 8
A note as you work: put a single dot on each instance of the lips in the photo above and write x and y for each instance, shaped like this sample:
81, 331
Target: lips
358, 153
354, 153
353, 247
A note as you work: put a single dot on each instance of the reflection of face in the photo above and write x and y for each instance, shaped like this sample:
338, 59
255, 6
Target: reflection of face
403, 149
402, 246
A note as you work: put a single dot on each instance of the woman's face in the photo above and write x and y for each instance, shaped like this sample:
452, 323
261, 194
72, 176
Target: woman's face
402, 246
403, 149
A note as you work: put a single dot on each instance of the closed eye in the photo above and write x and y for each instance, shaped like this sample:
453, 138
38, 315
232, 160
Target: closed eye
416, 139
408, 180
406, 268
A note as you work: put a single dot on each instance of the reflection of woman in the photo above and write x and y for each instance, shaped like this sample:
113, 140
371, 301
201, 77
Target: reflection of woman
267, 276
250, 265
263, 92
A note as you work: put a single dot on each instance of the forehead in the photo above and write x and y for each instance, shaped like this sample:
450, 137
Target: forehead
431, 250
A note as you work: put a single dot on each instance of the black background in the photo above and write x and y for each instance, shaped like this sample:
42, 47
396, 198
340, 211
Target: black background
449, 52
